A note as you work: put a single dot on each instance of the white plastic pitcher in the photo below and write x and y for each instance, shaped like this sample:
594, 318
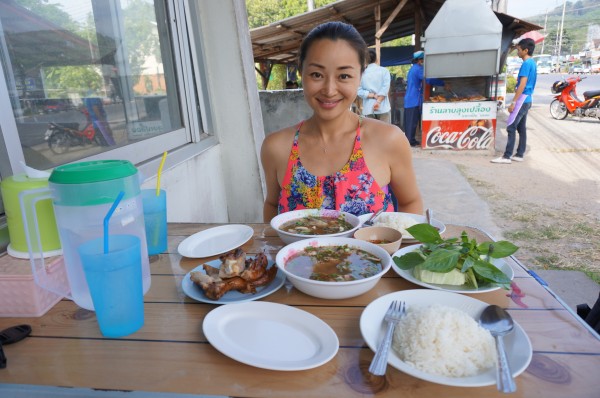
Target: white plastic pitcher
82, 193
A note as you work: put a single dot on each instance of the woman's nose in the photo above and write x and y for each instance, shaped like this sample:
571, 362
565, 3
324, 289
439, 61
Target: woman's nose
329, 86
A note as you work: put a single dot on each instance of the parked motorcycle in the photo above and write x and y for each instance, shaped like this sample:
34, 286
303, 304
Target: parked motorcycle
62, 136
567, 103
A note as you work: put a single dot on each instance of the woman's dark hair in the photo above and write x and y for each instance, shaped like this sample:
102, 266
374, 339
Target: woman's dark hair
334, 31
527, 44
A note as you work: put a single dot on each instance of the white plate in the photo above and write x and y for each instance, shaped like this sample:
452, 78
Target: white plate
420, 219
270, 336
233, 296
409, 276
213, 241
517, 344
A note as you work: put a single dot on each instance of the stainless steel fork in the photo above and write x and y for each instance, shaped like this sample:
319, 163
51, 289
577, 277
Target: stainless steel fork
393, 315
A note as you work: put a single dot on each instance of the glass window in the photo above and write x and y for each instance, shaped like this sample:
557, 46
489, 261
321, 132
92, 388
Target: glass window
89, 76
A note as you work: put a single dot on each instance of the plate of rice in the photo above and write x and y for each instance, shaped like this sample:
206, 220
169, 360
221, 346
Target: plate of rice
402, 221
439, 339
409, 275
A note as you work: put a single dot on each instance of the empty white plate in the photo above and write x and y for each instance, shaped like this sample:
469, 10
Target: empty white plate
270, 336
213, 241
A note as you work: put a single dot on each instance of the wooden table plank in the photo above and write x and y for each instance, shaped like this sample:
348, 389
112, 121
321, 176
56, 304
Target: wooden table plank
195, 368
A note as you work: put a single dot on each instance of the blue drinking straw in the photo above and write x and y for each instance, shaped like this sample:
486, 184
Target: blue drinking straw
107, 219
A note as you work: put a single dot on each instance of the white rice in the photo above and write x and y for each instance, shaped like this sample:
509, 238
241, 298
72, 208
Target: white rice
396, 221
444, 341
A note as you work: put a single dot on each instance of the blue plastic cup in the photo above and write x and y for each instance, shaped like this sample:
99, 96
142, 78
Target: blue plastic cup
115, 283
155, 219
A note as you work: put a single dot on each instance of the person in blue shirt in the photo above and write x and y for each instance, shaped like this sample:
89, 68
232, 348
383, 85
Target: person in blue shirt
526, 80
413, 99
374, 89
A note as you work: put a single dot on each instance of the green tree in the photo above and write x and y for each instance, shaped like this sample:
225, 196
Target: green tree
141, 37
265, 12
64, 80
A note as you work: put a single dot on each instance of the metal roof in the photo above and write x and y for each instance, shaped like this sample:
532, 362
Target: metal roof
279, 42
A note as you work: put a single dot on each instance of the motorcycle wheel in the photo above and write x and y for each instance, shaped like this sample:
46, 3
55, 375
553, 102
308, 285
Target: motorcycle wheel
59, 143
558, 110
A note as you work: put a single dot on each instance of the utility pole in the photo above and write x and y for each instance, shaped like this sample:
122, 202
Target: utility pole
562, 25
545, 22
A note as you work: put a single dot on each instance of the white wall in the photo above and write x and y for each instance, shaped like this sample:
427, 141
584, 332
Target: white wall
283, 108
223, 183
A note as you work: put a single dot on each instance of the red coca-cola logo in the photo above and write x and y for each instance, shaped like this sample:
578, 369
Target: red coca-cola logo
474, 137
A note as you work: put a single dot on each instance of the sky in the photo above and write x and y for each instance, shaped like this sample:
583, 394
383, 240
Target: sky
527, 8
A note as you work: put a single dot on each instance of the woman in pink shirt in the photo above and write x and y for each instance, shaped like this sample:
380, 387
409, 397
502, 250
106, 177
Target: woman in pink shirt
336, 159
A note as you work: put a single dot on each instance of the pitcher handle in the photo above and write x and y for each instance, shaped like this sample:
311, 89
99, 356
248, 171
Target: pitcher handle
54, 281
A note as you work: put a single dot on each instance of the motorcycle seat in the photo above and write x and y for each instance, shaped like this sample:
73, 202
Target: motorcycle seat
591, 94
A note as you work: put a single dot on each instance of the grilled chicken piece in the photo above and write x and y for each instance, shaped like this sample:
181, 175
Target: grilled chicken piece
215, 288
232, 263
266, 277
211, 271
255, 268
254, 273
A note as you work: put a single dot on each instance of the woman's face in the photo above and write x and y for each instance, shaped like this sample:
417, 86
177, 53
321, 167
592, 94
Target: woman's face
330, 77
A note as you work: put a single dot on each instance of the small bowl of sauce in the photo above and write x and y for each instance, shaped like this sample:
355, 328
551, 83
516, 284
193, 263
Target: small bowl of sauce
387, 238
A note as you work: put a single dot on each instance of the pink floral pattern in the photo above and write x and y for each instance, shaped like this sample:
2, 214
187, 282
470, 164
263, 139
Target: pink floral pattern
352, 189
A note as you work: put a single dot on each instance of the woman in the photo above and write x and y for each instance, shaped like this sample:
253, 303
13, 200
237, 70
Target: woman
336, 159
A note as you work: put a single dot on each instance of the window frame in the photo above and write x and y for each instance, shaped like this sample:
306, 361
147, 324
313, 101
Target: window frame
194, 109
196, 135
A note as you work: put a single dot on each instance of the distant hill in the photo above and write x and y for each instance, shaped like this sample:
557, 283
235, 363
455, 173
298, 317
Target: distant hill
581, 26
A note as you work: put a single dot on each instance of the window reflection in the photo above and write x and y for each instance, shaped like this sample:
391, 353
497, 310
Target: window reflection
86, 76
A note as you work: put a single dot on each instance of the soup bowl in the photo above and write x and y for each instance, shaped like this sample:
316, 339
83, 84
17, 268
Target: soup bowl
289, 237
332, 289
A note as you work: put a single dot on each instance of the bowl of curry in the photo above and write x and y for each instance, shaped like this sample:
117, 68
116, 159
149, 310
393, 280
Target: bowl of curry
333, 267
297, 225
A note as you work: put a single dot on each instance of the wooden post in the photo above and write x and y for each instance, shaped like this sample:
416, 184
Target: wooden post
378, 38
418, 25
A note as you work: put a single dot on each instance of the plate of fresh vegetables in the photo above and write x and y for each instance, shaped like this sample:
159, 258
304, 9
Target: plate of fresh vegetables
460, 265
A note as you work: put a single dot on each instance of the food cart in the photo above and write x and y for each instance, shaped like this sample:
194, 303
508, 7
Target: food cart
462, 47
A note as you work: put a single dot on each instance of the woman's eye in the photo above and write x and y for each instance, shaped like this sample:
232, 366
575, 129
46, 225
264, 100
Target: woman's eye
345, 76
316, 75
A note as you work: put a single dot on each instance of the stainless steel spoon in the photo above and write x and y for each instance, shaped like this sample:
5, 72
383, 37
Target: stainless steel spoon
428, 215
370, 221
499, 323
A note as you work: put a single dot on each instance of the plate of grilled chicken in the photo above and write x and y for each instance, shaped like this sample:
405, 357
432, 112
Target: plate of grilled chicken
233, 278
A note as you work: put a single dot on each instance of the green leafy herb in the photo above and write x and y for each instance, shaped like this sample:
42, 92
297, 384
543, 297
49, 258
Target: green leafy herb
464, 253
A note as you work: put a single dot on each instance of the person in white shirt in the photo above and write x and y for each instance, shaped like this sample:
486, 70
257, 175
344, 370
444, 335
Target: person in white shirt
374, 89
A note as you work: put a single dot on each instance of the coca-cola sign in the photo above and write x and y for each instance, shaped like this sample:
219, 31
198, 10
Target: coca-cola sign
459, 134
459, 125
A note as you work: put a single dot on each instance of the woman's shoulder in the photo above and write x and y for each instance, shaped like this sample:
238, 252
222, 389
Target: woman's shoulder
280, 138
373, 126
383, 135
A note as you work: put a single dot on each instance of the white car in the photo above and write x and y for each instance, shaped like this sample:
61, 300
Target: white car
544, 70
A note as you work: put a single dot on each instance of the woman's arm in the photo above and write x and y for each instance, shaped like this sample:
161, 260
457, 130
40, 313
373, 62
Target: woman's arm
389, 158
274, 155
403, 180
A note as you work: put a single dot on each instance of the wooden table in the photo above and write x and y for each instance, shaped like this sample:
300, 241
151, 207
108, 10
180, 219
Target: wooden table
170, 354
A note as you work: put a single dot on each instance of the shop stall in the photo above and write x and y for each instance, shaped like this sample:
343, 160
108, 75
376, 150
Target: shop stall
463, 48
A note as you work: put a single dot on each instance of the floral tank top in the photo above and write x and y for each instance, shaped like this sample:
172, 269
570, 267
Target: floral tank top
352, 189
